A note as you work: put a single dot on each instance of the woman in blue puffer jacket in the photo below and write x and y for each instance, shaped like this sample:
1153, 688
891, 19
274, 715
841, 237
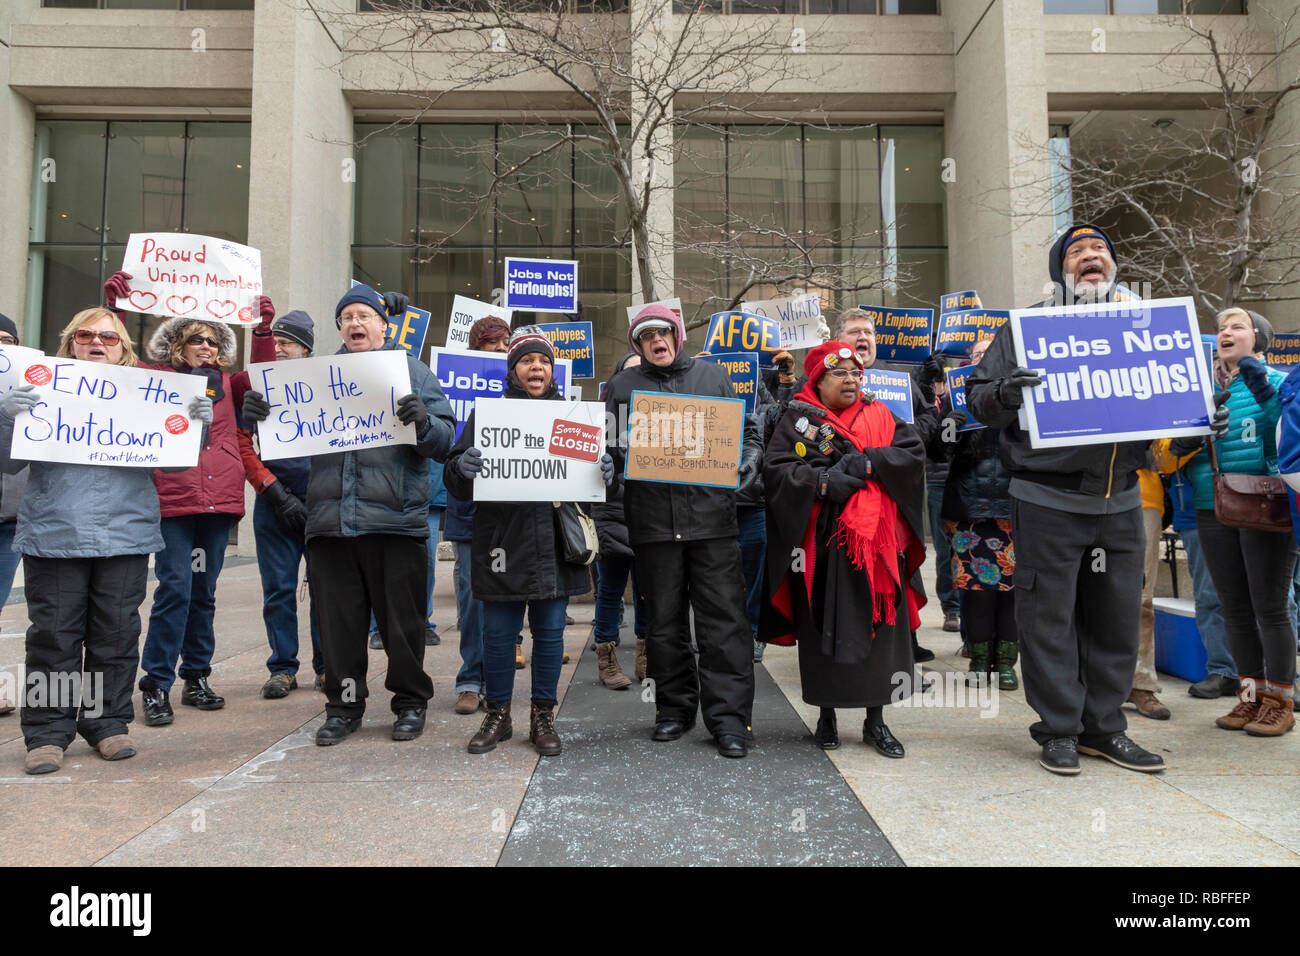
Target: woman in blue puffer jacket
1251, 570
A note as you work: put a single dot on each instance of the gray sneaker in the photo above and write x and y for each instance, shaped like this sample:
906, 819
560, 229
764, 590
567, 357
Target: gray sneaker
759, 648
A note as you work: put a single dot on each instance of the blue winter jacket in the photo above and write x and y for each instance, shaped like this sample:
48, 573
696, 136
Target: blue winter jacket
1288, 443
1249, 448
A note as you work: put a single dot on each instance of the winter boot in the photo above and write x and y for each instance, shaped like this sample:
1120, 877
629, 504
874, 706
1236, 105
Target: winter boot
1245, 712
981, 661
1276, 715
541, 729
639, 671
494, 730
611, 675
1008, 652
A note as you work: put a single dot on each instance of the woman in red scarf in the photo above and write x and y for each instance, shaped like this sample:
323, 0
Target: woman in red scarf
844, 481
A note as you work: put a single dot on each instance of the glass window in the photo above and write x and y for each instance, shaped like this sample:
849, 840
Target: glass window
69, 182
141, 4
699, 185
764, 187
910, 6
146, 168
924, 276
456, 170
1074, 6
1175, 7
536, 193
911, 189
599, 213
69, 280
385, 197
216, 180
842, 185
446, 274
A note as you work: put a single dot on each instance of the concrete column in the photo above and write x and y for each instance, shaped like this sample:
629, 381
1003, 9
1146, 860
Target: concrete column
17, 129
999, 227
1282, 165
652, 29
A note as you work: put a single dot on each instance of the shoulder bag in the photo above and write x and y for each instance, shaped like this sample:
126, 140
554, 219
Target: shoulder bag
1255, 502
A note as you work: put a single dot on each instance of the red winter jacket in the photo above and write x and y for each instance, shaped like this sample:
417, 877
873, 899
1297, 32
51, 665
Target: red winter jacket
216, 484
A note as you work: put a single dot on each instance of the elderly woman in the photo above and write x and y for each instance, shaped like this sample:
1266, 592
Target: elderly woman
199, 507
85, 533
844, 480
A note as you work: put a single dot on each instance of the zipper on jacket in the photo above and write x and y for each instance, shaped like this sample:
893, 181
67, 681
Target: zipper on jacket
1110, 477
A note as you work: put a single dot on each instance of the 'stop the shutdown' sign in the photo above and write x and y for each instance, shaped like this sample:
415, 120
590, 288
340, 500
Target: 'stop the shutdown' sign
541, 285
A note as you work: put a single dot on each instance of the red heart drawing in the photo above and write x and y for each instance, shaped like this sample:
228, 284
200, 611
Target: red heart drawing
221, 308
245, 314
174, 303
137, 299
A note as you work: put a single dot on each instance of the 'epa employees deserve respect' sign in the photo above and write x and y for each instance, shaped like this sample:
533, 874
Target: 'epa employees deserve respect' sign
96, 414
538, 450
332, 403
1112, 374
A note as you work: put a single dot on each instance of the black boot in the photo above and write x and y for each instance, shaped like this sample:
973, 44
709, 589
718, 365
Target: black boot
157, 708
197, 692
827, 734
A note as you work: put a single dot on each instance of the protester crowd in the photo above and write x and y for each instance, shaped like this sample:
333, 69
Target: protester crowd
819, 544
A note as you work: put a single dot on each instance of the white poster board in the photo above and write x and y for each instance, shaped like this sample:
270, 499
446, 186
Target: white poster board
14, 360
539, 450
192, 277
800, 316
464, 313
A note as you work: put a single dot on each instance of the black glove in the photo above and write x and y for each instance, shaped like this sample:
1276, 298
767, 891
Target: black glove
854, 464
1180, 447
932, 370
287, 506
1011, 389
255, 408
411, 411
395, 303
1219, 423
956, 416
1256, 378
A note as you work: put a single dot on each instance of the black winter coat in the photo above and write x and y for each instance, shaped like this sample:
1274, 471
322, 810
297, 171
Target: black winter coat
979, 485
527, 563
767, 412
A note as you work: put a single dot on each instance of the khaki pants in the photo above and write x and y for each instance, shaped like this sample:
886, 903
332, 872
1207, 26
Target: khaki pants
1144, 676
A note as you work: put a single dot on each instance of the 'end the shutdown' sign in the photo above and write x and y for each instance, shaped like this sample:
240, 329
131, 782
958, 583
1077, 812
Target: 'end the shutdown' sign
541, 285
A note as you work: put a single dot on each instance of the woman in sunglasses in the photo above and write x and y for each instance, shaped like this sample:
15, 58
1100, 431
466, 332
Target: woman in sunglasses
85, 533
199, 507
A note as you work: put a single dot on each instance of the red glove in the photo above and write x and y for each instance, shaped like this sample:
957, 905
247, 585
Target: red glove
267, 312
116, 287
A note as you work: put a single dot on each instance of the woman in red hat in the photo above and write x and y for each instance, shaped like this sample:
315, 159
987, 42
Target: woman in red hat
844, 481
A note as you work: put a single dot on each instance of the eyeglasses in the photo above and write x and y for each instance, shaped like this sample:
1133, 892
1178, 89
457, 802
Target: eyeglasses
361, 318
8, 340
86, 336
201, 340
843, 373
649, 334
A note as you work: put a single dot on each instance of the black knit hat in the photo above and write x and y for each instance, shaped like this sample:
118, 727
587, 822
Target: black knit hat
296, 325
7, 325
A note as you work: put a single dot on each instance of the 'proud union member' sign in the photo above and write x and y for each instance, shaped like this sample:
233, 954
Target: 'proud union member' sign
541, 285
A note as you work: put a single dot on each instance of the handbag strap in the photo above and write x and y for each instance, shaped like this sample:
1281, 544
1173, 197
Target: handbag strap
1214, 459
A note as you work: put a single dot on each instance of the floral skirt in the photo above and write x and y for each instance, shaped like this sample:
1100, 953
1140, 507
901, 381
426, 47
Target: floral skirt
983, 558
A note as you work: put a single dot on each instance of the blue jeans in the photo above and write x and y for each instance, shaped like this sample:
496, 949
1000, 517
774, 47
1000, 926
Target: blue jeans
180, 624
948, 598
435, 519
753, 553
1209, 613
279, 553
9, 559
611, 581
470, 612
503, 623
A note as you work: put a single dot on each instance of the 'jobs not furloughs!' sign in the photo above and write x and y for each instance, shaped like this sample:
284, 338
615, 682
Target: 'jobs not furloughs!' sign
192, 277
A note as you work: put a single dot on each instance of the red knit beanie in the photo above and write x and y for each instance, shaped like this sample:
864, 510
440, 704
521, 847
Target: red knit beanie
821, 358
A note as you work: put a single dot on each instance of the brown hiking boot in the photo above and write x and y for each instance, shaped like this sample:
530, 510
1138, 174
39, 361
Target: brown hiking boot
279, 686
541, 730
1276, 715
495, 729
639, 669
117, 747
520, 663
1247, 709
45, 759
467, 702
1148, 704
611, 675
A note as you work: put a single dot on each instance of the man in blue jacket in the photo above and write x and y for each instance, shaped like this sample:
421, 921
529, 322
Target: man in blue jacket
367, 526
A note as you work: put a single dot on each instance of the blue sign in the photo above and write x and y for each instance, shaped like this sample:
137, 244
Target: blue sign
957, 395
574, 341
743, 332
541, 285
893, 389
1111, 374
959, 331
902, 335
412, 330
465, 376
1283, 352
743, 369
955, 301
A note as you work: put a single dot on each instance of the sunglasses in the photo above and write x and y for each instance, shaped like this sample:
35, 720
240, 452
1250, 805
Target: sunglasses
201, 340
86, 336
649, 334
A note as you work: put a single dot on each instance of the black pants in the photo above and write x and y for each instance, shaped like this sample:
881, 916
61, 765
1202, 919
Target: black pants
83, 647
1078, 604
351, 577
1252, 572
705, 576
988, 615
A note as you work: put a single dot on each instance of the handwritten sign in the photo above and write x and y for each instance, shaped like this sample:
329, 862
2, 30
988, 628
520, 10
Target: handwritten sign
412, 330
464, 313
192, 277
957, 394
957, 301
90, 413
743, 332
1284, 351
800, 317
902, 335
959, 331
468, 376
538, 450
684, 439
332, 403
674, 304
743, 369
541, 285
14, 360
573, 341
893, 389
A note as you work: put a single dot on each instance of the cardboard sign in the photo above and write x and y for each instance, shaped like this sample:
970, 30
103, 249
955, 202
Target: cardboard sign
410, 334
1284, 351
684, 439
800, 317
464, 313
537, 450
743, 332
90, 413
192, 277
957, 395
1108, 377
893, 389
467, 376
959, 331
743, 369
14, 360
541, 285
957, 301
902, 335
675, 304
332, 403
574, 341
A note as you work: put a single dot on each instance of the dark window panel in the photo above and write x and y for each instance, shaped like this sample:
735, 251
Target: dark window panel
216, 180
69, 280
456, 168
145, 179
69, 201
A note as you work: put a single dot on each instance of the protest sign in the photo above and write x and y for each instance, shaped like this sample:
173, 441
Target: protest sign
332, 403
957, 395
743, 369
956, 301
959, 331
539, 450
1110, 377
902, 335
684, 439
1283, 352
412, 330
464, 313
800, 317
466, 376
674, 304
574, 341
893, 389
192, 277
743, 332
90, 413
541, 285
14, 360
